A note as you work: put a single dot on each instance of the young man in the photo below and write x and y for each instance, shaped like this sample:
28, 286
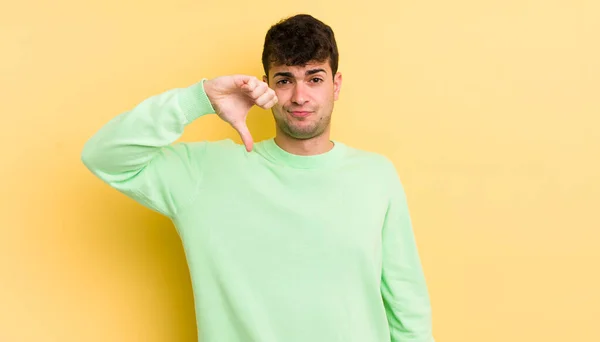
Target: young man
293, 239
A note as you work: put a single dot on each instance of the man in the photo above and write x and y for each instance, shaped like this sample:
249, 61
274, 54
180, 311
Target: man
298, 238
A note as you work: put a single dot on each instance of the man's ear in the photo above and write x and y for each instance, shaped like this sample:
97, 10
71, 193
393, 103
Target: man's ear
265, 79
337, 85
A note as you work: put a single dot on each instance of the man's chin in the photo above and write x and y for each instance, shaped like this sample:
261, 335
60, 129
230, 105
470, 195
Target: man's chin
300, 129
302, 133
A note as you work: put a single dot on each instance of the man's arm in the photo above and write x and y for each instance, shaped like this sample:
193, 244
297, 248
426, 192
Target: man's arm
403, 288
133, 152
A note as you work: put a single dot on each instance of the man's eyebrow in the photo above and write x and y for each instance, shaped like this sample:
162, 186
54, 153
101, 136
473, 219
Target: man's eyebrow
308, 72
284, 74
314, 71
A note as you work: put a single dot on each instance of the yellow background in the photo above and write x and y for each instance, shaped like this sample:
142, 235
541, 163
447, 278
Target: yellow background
490, 110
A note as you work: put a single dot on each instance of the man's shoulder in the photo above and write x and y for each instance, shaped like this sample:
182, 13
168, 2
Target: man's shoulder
378, 167
214, 152
209, 146
369, 158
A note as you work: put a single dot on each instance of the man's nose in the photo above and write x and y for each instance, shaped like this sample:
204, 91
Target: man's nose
299, 95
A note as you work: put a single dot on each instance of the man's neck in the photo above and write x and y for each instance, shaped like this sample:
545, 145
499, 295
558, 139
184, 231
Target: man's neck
308, 147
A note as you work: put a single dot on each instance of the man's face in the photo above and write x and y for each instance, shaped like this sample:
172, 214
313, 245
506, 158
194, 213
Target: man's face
305, 98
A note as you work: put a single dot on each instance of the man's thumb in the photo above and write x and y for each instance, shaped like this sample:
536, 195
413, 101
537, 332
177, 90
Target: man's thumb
244, 132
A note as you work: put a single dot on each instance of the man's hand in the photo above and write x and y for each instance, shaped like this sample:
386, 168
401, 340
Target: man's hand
233, 96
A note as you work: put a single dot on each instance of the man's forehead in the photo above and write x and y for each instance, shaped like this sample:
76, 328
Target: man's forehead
301, 70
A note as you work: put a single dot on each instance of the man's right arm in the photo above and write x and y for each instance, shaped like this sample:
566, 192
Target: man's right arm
134, 152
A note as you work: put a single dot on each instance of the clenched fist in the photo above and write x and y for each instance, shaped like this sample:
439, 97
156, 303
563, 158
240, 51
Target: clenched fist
233, 96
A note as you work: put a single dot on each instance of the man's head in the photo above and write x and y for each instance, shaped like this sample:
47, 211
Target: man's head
300, 59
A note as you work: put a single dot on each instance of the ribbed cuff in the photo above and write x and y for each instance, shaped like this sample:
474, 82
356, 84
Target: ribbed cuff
194, 102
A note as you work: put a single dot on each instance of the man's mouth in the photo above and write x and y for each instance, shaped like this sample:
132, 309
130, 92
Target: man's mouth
299, 113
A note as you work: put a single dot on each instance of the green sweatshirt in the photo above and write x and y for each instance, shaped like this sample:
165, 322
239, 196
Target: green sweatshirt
281, 247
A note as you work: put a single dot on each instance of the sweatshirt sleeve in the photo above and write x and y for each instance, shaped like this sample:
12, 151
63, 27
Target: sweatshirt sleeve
403, 287
135, 152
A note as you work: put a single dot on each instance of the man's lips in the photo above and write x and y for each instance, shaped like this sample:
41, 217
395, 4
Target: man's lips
299, 113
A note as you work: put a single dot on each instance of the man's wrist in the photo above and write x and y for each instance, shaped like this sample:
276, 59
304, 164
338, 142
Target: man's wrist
195, 102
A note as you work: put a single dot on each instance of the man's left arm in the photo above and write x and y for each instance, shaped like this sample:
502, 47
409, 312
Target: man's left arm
403, 287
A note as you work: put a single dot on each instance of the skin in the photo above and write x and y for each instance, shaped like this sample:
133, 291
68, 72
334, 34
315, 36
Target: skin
306, 96
301, 99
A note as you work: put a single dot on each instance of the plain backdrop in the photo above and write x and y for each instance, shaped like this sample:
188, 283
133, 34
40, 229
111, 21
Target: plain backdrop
489, 109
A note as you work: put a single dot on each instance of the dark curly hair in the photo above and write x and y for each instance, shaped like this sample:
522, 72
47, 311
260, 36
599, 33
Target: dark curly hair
297, 40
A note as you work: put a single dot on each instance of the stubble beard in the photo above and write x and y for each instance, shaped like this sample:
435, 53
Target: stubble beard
302, 132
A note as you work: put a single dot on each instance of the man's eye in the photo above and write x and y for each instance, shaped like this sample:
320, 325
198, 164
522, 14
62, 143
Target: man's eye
282, 81
317, 80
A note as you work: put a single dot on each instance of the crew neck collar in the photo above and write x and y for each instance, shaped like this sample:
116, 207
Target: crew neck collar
281, 156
